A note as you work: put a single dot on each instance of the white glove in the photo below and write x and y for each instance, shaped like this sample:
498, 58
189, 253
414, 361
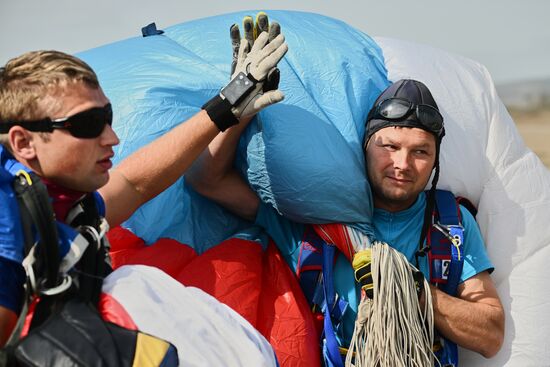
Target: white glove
255, 77
258, 63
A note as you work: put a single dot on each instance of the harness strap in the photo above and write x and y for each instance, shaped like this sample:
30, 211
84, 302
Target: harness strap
312, 280
33, 196
309, 269
35, 209
446, 256
46, 273
330, 348
94, 264
450, 227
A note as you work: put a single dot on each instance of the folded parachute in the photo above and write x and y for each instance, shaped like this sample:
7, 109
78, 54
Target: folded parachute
145, 298
304, 155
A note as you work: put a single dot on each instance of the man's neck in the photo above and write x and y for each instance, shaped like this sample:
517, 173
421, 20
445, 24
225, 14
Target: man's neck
63, 199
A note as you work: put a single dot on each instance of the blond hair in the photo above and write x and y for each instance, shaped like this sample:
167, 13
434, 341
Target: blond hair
29, 78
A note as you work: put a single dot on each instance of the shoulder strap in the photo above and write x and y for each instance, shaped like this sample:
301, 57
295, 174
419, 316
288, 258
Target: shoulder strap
35, 209
447, 207
446, 260
34, 202
446, 243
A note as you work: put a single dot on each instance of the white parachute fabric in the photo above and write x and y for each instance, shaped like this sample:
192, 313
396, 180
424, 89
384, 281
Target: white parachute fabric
484, 159
205, 331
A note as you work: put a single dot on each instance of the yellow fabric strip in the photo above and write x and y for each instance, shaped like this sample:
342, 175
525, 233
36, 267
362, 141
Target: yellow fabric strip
150, 351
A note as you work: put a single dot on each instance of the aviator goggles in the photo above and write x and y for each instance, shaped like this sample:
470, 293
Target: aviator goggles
398, 109
87, 124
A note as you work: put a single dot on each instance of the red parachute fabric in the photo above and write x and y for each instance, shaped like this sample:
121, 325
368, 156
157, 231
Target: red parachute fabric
257, 284
112, 311
336, 234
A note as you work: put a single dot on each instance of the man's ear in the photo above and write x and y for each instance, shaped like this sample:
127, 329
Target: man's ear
22, 143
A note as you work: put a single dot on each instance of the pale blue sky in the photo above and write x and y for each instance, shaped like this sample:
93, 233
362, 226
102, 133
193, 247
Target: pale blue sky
510, 37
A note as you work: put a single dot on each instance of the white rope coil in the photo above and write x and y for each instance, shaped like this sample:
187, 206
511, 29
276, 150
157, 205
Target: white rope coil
392, 329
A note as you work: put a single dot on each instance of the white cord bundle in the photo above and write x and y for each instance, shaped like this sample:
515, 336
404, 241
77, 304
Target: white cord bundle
391, 329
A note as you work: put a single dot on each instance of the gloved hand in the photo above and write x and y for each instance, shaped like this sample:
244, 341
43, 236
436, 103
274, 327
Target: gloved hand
251, 32
362, 268
246, 58
255, 78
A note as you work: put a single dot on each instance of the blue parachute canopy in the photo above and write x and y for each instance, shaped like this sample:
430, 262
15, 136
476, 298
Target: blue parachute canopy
304, 155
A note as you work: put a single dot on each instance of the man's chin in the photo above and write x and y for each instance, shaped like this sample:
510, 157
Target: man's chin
400, 199
397, 196
103, 181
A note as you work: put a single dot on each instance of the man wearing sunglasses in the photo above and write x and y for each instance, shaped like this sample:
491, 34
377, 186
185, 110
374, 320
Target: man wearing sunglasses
55, 121
404, 130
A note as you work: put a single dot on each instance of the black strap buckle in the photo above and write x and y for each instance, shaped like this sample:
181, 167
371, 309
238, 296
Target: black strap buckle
421, 253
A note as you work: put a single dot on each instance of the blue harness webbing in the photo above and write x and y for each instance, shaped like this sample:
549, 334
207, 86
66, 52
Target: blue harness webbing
446, 260
316, 261
446, 241
309, 270
331, 352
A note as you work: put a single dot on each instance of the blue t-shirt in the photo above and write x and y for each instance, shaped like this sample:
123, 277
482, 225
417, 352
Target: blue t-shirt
12, 275
400, 230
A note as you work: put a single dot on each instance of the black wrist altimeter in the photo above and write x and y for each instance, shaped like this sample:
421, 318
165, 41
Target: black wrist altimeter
219, 107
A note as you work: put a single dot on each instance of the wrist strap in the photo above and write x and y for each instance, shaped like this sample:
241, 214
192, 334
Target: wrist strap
219, 110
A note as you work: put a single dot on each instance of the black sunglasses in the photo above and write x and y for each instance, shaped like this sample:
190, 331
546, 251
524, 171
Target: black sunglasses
87, 124
396, 109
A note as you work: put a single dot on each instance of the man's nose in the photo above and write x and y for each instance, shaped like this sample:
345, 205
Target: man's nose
108, 136
401, 159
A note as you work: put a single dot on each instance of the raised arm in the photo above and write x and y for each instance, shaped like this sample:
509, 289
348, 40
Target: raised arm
213, 174
153, 168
